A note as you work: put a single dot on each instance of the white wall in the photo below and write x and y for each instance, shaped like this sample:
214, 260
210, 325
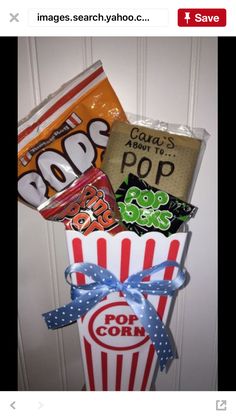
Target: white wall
173, 79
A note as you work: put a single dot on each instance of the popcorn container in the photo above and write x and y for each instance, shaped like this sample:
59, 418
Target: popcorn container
117, 352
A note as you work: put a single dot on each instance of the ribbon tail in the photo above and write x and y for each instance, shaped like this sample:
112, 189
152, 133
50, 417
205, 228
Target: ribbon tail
152, 324
62, 316
71, 312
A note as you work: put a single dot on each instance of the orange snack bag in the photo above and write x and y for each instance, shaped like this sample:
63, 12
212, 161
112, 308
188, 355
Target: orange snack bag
65, 135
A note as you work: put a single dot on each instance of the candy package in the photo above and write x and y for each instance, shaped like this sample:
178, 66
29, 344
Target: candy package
87, 205
164, 157
65, 135
144, 208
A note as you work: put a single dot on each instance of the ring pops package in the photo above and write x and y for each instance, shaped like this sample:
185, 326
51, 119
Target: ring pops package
167, 156
87, 205
65, 135
145, 209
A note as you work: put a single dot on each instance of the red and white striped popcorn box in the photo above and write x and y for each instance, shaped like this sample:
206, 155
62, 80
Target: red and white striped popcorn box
117, 352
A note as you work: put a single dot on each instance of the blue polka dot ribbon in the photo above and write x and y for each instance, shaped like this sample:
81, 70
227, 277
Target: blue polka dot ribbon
85, 297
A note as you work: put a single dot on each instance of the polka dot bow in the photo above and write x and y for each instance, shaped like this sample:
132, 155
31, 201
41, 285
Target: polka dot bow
85, 297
